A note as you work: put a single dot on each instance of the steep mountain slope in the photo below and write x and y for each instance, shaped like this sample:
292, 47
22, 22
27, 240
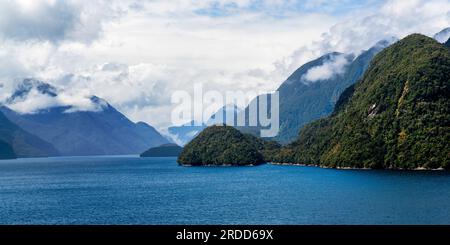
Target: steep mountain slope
448, 43
6, 151
397, 116
302, 101
23, 143
99, 132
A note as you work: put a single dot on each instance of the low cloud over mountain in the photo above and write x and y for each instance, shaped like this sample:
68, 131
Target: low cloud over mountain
135, 54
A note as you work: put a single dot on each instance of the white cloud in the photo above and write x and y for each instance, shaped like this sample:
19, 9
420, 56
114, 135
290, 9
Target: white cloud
362, 28
162, 47
328, 69
35, 96
395, 18
38, 102
51, 20
136, 53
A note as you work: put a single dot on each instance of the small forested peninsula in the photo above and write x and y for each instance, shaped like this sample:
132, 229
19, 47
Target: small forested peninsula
222, 145
166, 150
396, 117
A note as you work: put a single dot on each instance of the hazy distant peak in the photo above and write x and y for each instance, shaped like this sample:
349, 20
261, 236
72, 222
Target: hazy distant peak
221, 116
100, 102
385, 42
142, 123
24, 88
443, 35
34, 96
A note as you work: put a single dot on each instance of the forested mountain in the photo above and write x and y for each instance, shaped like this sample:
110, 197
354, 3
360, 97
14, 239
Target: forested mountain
302, 100
397, 116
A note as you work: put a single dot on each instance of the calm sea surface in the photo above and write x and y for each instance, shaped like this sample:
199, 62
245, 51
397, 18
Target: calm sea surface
133, 190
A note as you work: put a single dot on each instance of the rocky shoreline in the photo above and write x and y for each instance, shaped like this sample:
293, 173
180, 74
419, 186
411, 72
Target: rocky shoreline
354, 168
312, 165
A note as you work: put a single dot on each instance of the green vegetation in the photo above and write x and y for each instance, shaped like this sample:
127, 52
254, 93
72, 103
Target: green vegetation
224, 145
268, 148
6, 151
166, 150
397, 116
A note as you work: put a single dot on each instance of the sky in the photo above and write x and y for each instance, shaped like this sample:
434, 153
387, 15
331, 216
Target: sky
135, 54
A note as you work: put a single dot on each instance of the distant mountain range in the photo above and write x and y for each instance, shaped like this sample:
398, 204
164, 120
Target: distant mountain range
100, 132
186, 132
166, 150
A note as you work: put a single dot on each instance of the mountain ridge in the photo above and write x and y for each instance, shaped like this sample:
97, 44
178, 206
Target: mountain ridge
302, 102
396, 116
75, 132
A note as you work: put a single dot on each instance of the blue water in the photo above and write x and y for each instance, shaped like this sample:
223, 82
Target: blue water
131, 190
